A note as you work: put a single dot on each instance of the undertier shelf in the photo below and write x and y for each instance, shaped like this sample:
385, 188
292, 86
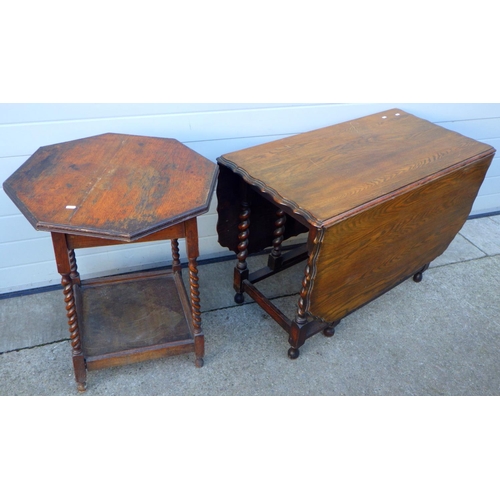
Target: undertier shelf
133, 317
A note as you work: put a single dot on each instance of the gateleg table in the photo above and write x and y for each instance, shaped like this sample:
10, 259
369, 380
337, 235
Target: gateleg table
379, 197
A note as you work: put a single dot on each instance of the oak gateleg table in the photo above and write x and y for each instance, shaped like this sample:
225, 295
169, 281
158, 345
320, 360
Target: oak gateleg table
380, 198
114, 189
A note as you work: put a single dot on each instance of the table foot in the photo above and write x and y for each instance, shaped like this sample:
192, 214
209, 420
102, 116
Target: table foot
293, 353
81, 386
417, 277
329, 331
199, 362
239, 298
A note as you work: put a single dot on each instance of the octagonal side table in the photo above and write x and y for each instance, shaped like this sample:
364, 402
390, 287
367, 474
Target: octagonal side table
113, 189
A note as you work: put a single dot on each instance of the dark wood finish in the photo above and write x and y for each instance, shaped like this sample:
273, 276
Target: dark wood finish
290, 258
268, 306
418, 276
329, 173
381, 197
114, 189
104, 313
122, 187
193, 253
275, 257
263, 215
370, 251
66, 266
79, 241
131, 311
136, 317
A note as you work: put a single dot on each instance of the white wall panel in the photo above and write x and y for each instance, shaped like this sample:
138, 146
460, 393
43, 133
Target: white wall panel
484, 204
24, 138
28, 113
6, 205
481, 130
17, 228
23, 252
494, 170
26, 258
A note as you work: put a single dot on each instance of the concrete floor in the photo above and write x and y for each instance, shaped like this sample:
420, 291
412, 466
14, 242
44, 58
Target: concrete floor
437, 337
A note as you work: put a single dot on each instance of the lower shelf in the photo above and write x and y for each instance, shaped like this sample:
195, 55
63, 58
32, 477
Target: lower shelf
133, 317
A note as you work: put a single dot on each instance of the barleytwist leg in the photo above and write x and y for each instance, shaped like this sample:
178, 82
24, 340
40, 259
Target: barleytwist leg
74, 274
191, 227
244, 232
300, 318
275, 258
278, 232
68, 281
176, 262
67, 268
241, 270
297, 335
195, 312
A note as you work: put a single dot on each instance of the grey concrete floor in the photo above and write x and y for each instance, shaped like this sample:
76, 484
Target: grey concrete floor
437, 337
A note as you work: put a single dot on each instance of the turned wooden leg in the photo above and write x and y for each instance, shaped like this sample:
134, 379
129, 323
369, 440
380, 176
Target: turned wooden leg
74, 274
199, 342
297, 332
275, 258
66, 265
74, 334
194, 292
241, 269
176, 263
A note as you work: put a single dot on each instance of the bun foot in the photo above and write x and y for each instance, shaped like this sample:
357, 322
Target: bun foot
199, 362
293, 353
417, 277
239, 298
329, 331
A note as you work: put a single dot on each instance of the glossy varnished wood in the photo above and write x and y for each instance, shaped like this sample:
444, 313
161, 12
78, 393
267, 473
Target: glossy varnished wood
381, 196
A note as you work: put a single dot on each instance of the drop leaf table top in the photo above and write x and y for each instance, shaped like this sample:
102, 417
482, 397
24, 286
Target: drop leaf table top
380, 197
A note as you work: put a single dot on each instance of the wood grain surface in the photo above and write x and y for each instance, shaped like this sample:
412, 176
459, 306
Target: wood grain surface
381, 196
365, 255
328, 172
114, 186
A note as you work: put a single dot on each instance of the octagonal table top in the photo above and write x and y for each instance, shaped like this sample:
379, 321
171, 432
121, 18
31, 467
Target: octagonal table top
115, 186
